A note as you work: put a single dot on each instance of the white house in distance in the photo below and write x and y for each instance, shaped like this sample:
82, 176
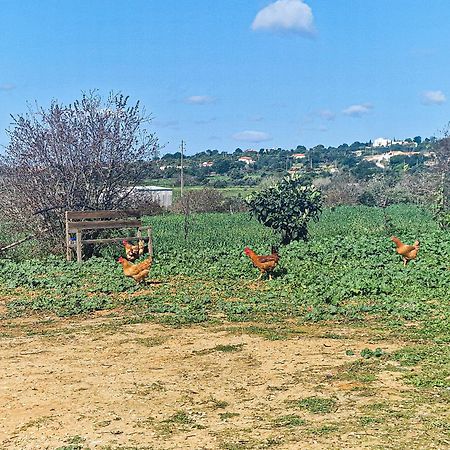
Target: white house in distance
298, 156
247, 160
382, 142
382, 159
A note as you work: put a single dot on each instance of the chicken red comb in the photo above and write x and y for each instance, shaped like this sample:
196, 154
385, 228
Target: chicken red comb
124, 242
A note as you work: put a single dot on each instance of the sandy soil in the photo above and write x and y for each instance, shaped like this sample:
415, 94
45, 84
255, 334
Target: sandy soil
99, 385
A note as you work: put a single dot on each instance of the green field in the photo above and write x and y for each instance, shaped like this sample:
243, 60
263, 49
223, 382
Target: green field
348, 270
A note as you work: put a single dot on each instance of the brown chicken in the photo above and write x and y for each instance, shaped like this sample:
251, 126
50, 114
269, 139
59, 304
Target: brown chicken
134, 251
407, 252
265, 263
136, 271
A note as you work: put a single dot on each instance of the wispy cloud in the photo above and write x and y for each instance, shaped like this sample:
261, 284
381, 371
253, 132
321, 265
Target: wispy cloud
252, 136
292, 16
327, 114
200, 99
7, 86
433, 98
358, 110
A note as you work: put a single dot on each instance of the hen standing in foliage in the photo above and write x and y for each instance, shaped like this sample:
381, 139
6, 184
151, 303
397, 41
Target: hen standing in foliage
265, 263
136, 271
407, 252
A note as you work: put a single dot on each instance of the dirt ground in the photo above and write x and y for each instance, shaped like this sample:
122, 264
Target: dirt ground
98, 383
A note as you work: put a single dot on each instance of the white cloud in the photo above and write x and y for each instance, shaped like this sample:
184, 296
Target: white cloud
358, 110
293, 16
327, 114
7, 86
433, 98
252, 136
200, 99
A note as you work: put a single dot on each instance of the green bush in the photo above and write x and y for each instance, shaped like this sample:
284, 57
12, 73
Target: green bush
287, 207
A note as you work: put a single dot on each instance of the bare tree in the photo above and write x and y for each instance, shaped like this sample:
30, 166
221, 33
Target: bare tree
442, 168
343, 189
81, 156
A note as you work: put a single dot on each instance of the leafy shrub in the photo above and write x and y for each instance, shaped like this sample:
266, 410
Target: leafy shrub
287, 207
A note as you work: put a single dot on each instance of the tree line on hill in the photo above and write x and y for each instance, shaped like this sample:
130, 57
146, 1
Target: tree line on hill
249, 167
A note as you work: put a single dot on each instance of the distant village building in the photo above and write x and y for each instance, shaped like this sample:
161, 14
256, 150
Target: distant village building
382, 159
158, 194
298, 156
247, 160
207, 164
382, 142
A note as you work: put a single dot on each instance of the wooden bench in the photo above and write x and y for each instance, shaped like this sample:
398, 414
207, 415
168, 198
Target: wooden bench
79, 221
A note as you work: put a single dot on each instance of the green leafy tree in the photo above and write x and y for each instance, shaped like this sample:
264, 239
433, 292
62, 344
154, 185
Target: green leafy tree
287, 207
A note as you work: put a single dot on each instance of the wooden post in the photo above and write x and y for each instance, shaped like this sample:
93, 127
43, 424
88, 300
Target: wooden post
68, 249
79, 247
182, 169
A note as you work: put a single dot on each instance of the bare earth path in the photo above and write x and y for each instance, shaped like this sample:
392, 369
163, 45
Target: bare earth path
99, 383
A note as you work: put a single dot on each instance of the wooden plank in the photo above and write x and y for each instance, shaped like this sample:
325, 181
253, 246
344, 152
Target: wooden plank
99, 224
104, 214
109, 240
79, 248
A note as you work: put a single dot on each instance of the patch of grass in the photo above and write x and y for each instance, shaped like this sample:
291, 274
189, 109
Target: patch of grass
324, 430
180, 420
315, 405
74, 443
434, 363
368, 353
289, 421
180, 417
363, 371
218, 404
38, 423
329, 335
229, 348
367, 420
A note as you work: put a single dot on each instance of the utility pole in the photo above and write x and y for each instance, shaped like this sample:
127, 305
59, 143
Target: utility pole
181, 169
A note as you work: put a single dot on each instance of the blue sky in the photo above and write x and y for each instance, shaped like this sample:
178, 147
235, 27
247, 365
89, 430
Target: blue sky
223, 74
